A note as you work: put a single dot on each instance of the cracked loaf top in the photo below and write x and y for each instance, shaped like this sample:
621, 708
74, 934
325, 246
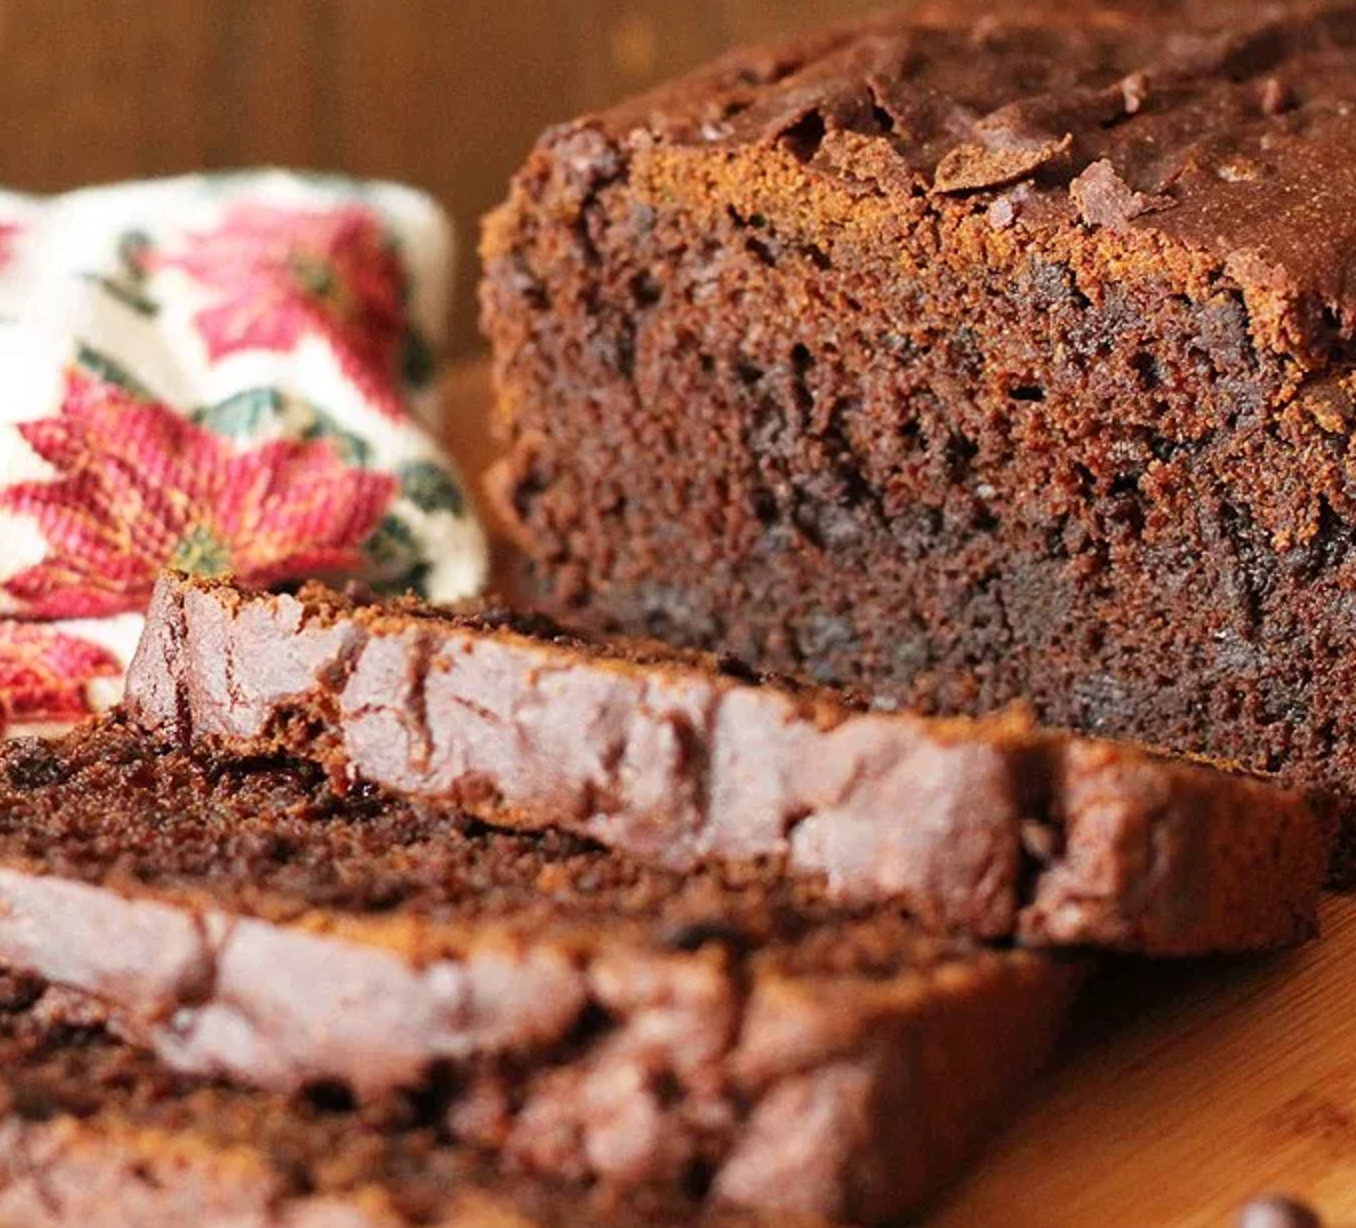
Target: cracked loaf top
988, 827
1221, 130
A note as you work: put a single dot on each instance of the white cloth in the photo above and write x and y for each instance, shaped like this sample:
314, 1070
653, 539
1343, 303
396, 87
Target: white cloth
225, 373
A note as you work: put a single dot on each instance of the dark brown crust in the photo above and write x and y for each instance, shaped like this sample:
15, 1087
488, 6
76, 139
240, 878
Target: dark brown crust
990, 828
1084, 439
586, 1019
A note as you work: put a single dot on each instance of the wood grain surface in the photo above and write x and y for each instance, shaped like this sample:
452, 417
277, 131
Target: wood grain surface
446, 94
1181, 1091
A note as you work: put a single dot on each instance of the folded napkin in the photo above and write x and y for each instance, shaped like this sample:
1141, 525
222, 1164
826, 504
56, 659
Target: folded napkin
223, 374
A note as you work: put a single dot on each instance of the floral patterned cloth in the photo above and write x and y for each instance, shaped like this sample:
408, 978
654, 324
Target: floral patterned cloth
225, 374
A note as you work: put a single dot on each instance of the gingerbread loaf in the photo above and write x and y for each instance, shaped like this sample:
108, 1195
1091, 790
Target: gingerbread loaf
991, 828
740, 1039
982, 352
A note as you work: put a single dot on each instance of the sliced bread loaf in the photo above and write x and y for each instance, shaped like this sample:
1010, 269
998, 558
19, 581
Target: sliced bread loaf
740, 1034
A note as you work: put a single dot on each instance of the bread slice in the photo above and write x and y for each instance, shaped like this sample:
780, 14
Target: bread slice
97, 1134
992, 828
585, 1018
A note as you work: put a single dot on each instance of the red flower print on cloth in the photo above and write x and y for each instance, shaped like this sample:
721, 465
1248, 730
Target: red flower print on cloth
141, 488
283, 274
45, 673
9, 231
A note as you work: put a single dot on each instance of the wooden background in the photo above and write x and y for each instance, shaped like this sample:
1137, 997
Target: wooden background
446, 94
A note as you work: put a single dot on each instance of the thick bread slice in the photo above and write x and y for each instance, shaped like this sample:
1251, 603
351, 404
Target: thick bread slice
97, 1134
991, 827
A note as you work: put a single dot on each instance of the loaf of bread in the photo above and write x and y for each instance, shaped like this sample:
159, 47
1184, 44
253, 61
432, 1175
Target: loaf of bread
984, 352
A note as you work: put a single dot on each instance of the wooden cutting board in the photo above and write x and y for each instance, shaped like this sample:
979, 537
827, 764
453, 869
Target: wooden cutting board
1181, 1090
